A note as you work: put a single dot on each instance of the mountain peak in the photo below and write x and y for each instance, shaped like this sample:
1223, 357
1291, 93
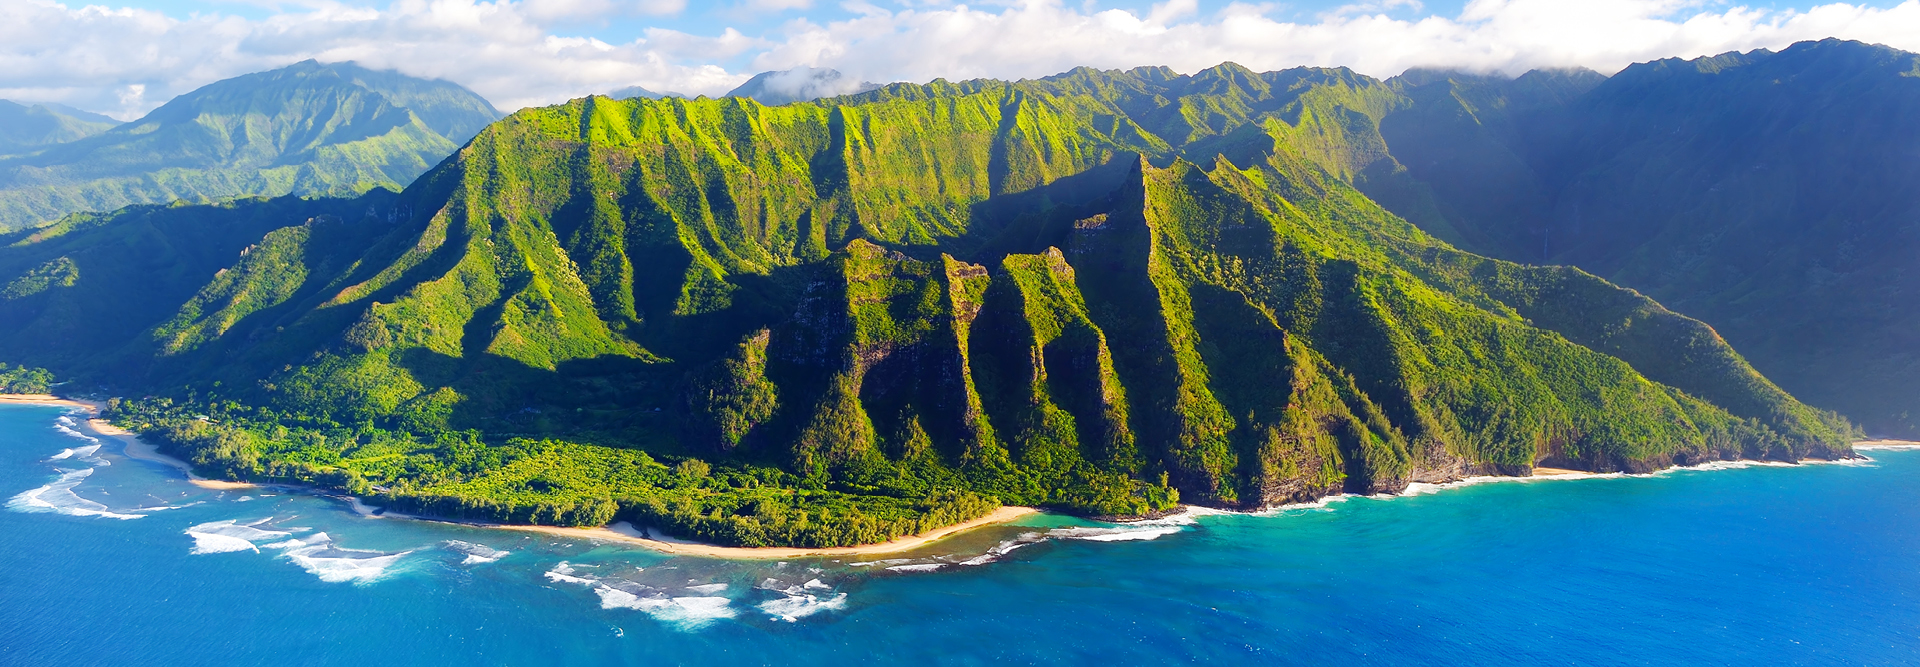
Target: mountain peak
799, 84
308, 128
631, 92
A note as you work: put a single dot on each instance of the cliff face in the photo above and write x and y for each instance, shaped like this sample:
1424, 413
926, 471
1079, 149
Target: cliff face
1102, 292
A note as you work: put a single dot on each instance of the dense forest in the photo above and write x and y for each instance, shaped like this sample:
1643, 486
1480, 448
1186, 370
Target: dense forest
846, 320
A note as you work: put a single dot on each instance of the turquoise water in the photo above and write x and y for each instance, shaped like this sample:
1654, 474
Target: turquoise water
1815, 564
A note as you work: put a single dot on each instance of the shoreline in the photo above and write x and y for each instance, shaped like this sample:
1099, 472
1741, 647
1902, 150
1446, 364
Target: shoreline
132, 445
624, 532
1540, 471
1886, 443
135, 448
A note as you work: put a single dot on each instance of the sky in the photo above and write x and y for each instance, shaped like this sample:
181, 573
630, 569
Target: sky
126, 57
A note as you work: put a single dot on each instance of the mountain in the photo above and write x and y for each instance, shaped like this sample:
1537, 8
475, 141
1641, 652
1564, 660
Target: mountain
800, 84
24, 129
631, 92
1765, 193
307, 129
1102, 292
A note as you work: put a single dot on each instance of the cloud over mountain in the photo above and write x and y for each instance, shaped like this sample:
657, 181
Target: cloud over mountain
126, 61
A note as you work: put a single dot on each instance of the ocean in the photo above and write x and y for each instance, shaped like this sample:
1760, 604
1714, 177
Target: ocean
106, 560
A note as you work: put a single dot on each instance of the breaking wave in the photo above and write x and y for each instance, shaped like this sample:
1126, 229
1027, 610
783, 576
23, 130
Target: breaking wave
476, 554
318, 555
58, 497
84, 453
795, 607
686, 612
228, 536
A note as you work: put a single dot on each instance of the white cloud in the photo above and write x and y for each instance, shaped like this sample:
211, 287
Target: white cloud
1040, 37
127, 61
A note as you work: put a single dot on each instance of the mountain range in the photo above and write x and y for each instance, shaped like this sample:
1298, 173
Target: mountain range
1764, 193
1103, 292
308, 129
25, 128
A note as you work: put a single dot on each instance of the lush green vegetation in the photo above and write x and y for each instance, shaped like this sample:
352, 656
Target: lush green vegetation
24, 380
25, 129
851, 319
1768, 194
307, 129
457, 475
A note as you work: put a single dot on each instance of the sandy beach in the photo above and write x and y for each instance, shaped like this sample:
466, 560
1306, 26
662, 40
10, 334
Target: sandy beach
47, 399
1885, 444
135, 447
626, 533
140, 449
1539, 471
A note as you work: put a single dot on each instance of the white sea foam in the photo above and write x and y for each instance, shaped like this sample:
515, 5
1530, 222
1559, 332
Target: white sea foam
319, 556
707, 589
299, 543
1114, 534
1003, 549
889, 561
163, 508
84, 453
685, 612
477, 554
58, 497
563, 573
228, 536
917, 567
207, 543
795, 607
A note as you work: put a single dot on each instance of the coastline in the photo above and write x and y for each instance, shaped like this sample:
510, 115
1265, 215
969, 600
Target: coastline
624, 532
48, 399
1885, 443
1539, 471
134, 447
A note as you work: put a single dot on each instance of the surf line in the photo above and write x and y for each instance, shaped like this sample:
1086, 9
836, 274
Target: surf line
132, 445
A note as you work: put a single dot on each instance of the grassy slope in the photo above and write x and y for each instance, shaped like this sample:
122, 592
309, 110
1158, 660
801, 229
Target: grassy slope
889, 311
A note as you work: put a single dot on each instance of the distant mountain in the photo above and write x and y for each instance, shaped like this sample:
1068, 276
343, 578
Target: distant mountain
1772, 195
631, 92
28, 128
1100, 292
799, 84
307, 129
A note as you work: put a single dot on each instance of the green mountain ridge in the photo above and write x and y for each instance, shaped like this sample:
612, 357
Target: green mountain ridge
27, 128
307, 129
855, 318
1763, 192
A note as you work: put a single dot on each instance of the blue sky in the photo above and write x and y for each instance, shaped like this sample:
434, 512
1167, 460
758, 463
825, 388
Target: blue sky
125, 57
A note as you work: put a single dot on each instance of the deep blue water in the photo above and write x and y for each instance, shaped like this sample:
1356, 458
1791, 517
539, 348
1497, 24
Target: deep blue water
1816, 564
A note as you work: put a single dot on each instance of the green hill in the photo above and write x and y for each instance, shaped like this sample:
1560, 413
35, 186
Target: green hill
25, 129
1768, 194
308, 129
845, 320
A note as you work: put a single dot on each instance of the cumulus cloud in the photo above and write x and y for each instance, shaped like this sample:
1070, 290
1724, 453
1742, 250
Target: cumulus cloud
127, 61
